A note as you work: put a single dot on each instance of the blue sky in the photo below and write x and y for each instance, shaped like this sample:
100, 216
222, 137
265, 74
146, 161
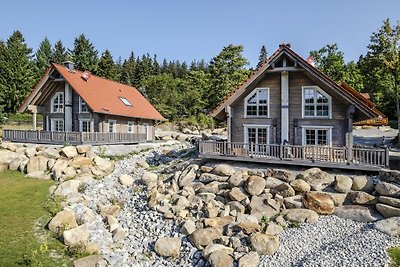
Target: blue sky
186, 30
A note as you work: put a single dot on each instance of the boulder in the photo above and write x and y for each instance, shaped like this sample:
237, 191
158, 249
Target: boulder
6, 156
319, 202
209, 177
285, 176
168, 246
274, 229
388, 189
237, 179
223, 170
30, 151
251, 259
357, 213
220, 259
143, 164
284, 189
218, 222
363, 183
60, 165
50, 152
237, 195
318, 179
88, 261
300, 185
272, 182
204, 237
249, 227
79, 162
391, 201
17, 162
104, 165
188, 227
36, 163
125, 179
388, 211
69, 172
119, 234
63, 220
264, 244
255, 185
343, 183
362, 198
300, 215
390, 226
109, 210
112, 223
150, 179
338, 198
216, 247
82, 149
68, 188
69, 151
77, 236
188, 175
264, 206
295, 202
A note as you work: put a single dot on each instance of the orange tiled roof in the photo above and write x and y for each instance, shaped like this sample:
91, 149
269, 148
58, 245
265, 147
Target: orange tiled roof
103, 96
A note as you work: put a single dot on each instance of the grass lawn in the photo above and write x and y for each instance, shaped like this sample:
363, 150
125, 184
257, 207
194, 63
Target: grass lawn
394, 253
23, 214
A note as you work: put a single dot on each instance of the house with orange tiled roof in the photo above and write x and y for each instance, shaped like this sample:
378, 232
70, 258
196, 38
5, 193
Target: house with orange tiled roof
79, 107
289, 112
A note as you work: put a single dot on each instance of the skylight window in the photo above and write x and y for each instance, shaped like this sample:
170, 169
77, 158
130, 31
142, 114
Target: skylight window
125, 101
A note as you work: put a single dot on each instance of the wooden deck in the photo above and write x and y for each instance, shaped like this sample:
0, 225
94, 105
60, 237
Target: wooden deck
313, 156
72, 138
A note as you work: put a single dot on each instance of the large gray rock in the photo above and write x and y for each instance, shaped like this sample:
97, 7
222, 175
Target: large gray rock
391, 201
69, 151
255, 185
318, 179
388, 211
343, 183
82, 149
68, 188
237, 179
168, 246
265, 244
264, 206
388, 189
295, 202
150, 179
284, 189
7, 156
209, 177
283, 175
125, 179
104, 165
223, 170
251, 259
63, 220
88, 261
216, 247
357, 213
37, 163
188, 227
188, 175
17, 162
220, 259
300, 185
319, 202
362, 198
300, 215
50, 152
204, 237
363, 183
390, 226
237, 195
77, 236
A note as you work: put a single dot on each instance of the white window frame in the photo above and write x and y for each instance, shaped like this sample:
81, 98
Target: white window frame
81, 121
125, 101
257, 104
315, 128
258, 126
53, 124
81, 101
322, 92
114, 130
59, 110
130, 127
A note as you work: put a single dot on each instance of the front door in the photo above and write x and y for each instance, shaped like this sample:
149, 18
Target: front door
257, 138
147, 130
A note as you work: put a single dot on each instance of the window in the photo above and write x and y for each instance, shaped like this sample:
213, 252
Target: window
316, 103
57, 125
83, 107
57, 103
84, 125
112, 126
125, 101
131, 125
256, 103
317, 136
256, 134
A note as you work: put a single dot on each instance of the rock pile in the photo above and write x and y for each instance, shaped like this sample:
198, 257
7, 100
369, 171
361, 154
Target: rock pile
230, 213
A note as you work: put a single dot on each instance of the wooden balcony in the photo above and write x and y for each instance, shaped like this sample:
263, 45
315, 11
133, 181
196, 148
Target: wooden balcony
72, 138
368, 159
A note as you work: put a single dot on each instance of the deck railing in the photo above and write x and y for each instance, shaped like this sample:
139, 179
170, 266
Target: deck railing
49, 137
339, 155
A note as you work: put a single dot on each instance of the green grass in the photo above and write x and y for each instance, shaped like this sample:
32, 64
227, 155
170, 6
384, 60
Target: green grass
23, 216
394, 254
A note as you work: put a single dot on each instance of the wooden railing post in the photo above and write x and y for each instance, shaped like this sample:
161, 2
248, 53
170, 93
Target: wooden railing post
281, 151
387, 160
313, 153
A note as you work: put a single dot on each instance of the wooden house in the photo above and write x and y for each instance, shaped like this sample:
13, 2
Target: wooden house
78, 107
288, 109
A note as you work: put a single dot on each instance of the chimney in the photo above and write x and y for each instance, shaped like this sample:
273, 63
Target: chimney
311, 60
69, 65
285, 44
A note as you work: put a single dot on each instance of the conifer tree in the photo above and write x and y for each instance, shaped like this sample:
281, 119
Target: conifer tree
84, 55
60, 54
43, 56
18, 73
263, 56
128, 70
106, 67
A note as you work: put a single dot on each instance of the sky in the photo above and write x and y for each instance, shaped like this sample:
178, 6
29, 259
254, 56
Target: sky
185, 29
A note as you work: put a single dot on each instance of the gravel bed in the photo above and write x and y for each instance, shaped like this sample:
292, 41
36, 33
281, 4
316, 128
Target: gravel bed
332, 241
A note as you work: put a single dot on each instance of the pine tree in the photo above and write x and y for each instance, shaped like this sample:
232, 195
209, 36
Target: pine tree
156, 66
128, 70
228, 71
18, 73
43, 56
263, 56
84, 55
106, 67
60, 54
